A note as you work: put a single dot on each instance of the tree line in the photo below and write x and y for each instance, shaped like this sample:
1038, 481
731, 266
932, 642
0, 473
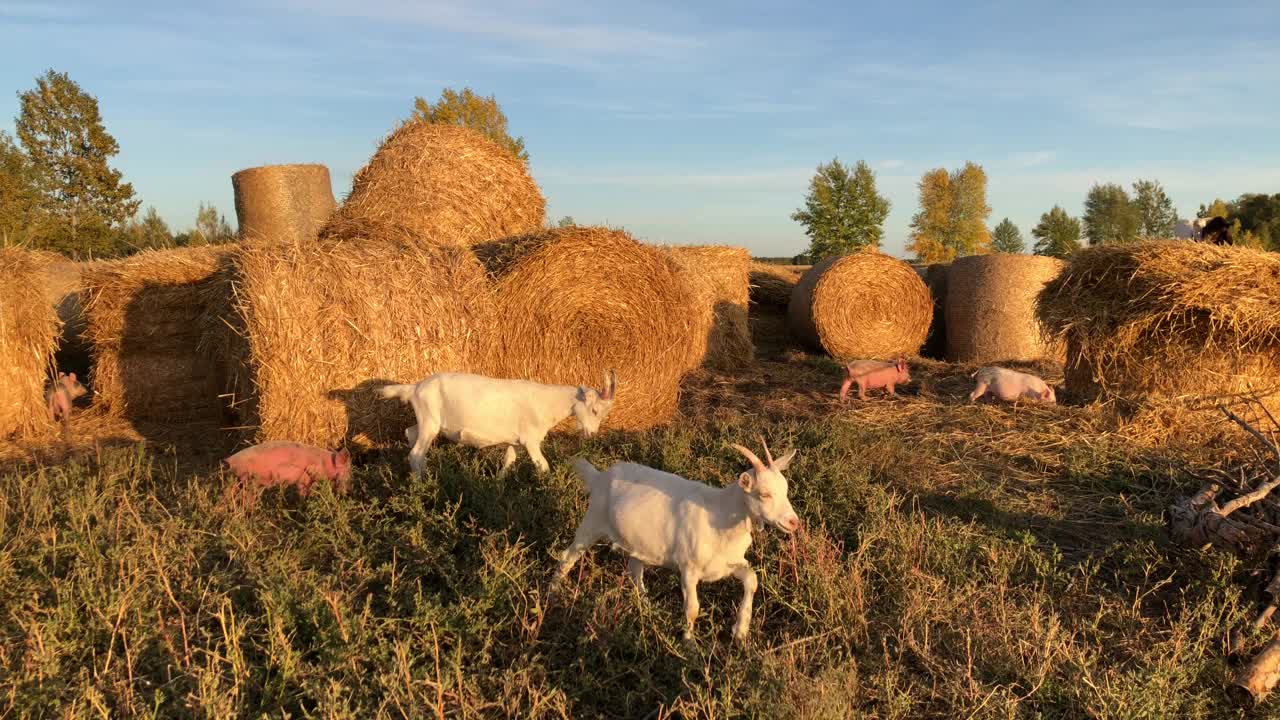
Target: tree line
59, 192
843, 212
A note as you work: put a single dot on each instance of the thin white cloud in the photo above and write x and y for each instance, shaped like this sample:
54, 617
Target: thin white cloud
889, 164
1033, 158
793, 179
512, 25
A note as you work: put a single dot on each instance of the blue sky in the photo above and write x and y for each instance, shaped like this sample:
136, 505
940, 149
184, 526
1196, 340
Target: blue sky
684, 122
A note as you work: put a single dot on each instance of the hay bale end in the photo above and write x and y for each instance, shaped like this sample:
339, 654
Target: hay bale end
864, 305
283, 201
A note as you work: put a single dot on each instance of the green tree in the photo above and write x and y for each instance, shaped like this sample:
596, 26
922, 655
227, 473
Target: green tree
1217, 208
842, 212
1057, 235
1259, 214
59, 126
566, 221
1156, 214
1110, 217
1007, 238
149, 232
211, 228
467, 109
952, 220
21, 205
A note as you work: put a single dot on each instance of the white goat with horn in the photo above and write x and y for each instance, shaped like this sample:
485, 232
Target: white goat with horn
662, 519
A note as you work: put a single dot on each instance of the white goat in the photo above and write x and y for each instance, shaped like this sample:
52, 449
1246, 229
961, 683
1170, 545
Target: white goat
482, 412
665, 520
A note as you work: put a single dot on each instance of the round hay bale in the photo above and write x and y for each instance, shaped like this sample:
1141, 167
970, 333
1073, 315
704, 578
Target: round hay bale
721, 275
771, 285
315, 329
446, 184
864, 305
575, 302
283, 201
1168, 322
142, 320
29, 329
990, 308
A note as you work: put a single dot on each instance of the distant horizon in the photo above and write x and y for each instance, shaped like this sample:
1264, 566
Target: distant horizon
686, 125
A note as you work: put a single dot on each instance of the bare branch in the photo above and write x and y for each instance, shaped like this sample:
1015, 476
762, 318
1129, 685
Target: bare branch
1250, 429
1250, 498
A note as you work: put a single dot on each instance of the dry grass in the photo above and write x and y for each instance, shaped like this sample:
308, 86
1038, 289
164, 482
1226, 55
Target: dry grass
990, 308
722, 274
865, 305
1175, 325
29, 330
143, 322
575, 302
447, 184
283, 201
318, 327
771, 285
958, 561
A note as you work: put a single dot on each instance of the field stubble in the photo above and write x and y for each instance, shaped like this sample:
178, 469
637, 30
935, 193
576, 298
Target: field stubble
958, 561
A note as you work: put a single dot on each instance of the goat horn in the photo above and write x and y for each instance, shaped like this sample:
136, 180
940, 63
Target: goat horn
755, 461
767, 454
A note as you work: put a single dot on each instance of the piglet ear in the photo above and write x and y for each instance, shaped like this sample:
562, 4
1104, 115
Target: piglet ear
344, 456
72, 377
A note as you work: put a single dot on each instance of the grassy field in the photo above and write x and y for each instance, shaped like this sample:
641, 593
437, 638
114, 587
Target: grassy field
959, 561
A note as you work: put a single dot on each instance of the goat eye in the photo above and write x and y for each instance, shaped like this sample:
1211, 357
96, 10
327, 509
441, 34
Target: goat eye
765, 496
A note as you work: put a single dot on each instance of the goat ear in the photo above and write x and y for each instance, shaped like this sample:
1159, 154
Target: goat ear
746, 480
782, 462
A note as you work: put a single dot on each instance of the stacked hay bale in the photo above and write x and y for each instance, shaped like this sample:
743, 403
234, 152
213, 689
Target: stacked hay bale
286, 202
864, 305
446, 184
575, 302
29, 328
1168, 323
721, 275
771, 285
990, 308
315, 328
143, 323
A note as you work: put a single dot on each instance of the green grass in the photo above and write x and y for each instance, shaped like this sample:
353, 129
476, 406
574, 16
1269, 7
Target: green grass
938, 577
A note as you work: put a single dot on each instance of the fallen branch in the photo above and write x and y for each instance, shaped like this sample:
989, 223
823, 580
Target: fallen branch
1259, 677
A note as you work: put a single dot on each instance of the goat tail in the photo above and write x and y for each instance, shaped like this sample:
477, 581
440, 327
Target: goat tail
586, 471
400, 392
